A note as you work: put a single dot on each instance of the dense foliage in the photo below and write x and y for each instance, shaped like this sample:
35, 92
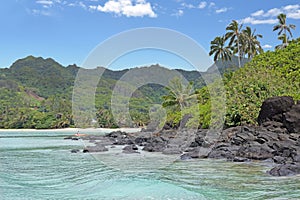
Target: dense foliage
268, 74
37, 93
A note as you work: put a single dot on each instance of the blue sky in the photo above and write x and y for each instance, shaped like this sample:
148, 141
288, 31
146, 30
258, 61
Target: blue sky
67, 30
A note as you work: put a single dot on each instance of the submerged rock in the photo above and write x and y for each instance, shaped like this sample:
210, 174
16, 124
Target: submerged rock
93, 149
130, 149
285, 170
75, 150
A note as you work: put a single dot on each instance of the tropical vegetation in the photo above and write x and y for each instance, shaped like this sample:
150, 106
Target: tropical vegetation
37, 92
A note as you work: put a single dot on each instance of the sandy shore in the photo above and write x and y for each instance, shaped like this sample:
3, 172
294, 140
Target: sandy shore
75, 130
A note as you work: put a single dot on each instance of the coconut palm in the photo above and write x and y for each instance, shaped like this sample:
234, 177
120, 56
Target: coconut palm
233, 34
219, 50
179, 94
285, 41
283, 27
250, 44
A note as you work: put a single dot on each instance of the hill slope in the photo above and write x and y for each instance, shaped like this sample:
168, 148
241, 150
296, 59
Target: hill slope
40, 90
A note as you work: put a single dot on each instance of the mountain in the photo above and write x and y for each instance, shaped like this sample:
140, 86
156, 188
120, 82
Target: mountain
40, 91
37, 93
45, 77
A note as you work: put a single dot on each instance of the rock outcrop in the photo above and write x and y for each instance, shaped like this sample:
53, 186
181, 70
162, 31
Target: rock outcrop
276, 139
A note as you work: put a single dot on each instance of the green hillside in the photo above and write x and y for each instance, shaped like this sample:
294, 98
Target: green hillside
272, 73
39, 91
268, 74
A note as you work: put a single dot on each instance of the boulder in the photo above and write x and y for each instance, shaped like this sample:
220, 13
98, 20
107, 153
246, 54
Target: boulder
116, 134
156, 144
279, 160
273, 108
130, 149
199, 152
141, 140
68, 137
119, 138
75, 150
275, 127
240, 159
292, 119
199, 139
93, 149
172, 150
185, 157
224, 150
296, 158
255, 151
221, 154
285, 170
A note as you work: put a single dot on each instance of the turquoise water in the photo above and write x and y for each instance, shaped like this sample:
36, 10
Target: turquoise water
39, 165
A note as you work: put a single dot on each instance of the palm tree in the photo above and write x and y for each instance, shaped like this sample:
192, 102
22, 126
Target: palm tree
285, 41
219, 50
251, 45
233, 34
179, 94
283, 27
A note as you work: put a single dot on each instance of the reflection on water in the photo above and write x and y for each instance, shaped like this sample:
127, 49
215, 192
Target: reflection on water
40, 166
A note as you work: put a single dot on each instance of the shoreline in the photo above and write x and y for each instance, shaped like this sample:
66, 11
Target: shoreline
81, 130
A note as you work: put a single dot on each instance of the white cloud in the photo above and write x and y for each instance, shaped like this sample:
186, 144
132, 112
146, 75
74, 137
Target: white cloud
293, 11
252, 20
273, 12
266, 46
221, 10
294, 15
45, 2
270, 16
291, 7
211, 4
202, 4
190, 6
179, 13
258, 13
82, 5
39, 12
129, 8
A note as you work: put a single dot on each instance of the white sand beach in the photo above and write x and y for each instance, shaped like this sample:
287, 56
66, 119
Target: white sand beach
75, 130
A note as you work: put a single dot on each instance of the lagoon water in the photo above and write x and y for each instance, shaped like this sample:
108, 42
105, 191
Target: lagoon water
39, 165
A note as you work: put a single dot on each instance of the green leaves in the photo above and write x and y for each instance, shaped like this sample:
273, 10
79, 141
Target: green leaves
219, 50
283, 28
240, 41
267, 75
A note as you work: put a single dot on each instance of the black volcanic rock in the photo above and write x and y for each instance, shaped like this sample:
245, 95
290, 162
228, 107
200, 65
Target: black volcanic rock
93, 149
292, 119
273, 109
285, 170
130, 149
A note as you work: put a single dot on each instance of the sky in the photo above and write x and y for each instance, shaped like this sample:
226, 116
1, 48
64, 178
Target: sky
69, 30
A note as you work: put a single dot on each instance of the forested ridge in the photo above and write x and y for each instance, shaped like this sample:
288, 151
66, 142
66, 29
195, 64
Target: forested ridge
37, 92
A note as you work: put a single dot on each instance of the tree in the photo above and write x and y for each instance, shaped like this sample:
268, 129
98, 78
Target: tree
283, 27
219, 50
233, 34
250, 44
179, 94
285, 41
